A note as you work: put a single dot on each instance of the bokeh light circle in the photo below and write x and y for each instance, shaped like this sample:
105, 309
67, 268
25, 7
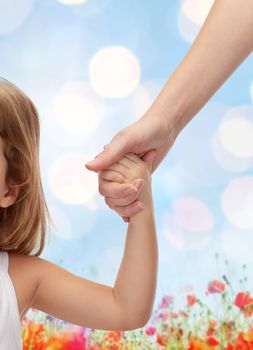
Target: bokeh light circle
237, 202
196, 10
226, 159
77, 108
191, 16
232, 141
70, 181
13, 13
237, 136
114, 72
183, 239
192, 214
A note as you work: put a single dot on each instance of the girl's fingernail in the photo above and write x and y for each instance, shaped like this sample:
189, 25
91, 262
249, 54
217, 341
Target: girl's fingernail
141, 205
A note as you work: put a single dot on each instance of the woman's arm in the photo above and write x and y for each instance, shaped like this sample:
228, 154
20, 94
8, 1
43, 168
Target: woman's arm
224, 41
129, 303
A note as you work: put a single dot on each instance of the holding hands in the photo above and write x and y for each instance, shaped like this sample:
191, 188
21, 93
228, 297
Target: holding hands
149, 138
129, 172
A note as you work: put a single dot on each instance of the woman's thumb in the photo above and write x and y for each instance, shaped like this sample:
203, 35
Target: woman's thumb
112, 152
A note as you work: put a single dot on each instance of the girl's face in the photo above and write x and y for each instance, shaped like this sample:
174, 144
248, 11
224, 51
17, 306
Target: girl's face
8, 194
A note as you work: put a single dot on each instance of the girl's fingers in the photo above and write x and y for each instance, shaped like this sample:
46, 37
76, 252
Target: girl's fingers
126, 162
116, 189
111, 175
129, 160
120, 168
123, 201
133, 157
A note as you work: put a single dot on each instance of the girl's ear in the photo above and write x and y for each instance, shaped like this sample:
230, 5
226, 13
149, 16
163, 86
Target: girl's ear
10, 195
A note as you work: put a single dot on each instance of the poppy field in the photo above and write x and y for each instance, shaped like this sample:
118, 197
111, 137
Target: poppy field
196, 326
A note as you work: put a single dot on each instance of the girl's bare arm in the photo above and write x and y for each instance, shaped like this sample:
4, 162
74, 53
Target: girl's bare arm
129, 303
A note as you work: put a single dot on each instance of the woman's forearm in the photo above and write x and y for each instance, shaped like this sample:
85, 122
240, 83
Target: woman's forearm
223, 43
135, 286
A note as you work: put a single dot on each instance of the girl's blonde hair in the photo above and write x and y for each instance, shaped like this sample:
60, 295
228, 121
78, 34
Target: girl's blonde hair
23, 224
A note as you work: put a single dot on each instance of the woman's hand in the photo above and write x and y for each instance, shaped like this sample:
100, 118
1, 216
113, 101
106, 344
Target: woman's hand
142, 137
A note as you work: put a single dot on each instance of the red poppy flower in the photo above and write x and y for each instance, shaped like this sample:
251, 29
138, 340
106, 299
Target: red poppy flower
216, 286
191, 300
212, 341
245, 302
161, 340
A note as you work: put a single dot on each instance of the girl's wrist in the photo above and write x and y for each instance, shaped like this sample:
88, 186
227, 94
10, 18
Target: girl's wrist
146, 198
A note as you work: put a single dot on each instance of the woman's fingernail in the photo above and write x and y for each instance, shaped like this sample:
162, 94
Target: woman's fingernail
90, 163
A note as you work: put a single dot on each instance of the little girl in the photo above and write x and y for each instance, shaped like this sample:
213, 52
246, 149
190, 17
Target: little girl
28, 281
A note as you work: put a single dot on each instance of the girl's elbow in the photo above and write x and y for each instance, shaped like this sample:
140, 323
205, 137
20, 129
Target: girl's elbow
136, 322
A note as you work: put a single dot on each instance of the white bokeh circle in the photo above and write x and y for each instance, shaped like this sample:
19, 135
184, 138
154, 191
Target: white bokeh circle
114, 72
70, 181
182, 239
196, 10
232, 142
13, 13
192, 214
226, 159
77, 108
237, 136
191, 16
237, 202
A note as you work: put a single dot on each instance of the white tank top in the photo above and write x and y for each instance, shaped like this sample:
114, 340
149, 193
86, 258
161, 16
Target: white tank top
10, 325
